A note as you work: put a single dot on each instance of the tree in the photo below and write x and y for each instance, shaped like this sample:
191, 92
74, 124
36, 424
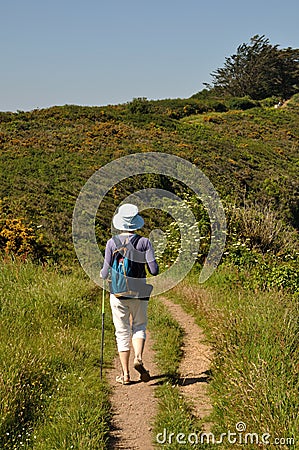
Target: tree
287, 72
259, 70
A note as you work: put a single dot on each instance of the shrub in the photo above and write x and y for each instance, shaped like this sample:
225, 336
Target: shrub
218, 106
20, 239
139, 105
242, 103
278, 275
179, 236
260, 227
270, 101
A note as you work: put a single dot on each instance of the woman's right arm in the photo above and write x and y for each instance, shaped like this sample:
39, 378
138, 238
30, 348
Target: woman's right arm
151, 262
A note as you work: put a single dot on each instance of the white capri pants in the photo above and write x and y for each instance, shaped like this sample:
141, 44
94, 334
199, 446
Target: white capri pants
124, 328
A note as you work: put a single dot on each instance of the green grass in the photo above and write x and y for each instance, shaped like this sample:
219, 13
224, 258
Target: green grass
52, 397
168, 338
51, 393
174, 412
254, 335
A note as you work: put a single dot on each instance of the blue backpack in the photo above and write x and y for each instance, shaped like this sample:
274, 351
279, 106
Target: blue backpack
127, 275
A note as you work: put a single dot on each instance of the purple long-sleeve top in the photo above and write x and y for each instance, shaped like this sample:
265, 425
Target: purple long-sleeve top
143, 245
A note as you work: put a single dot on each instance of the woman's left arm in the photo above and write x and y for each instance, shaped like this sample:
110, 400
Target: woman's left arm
107, 261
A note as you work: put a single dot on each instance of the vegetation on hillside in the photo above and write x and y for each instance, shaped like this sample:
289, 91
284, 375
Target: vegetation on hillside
249, 150
48, 155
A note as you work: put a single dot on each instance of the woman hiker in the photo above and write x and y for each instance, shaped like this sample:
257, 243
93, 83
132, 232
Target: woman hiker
127, 221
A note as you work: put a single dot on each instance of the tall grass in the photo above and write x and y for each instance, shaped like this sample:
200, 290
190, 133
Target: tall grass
51, 393
256, 355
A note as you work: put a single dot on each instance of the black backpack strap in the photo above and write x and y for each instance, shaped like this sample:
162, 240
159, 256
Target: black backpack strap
135, 239
140, 264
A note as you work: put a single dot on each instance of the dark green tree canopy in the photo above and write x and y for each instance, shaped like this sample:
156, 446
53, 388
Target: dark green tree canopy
259, 70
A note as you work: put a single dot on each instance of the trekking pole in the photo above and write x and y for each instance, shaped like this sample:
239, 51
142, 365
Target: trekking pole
102, 337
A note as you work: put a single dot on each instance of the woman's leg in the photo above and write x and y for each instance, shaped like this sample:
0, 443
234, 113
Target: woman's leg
139, 323
124, 360
138, 310
138, 346
121, 321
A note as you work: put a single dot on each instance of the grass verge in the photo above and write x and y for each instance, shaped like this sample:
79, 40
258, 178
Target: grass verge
256, 358
52, 397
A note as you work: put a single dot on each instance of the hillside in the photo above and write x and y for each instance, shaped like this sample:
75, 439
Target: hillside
52, 314
247, 149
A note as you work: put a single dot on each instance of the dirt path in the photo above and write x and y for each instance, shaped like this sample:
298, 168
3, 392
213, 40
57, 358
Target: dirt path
195, 364
135, 406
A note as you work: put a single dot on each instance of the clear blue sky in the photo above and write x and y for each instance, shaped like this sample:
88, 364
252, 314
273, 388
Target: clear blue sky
91, 52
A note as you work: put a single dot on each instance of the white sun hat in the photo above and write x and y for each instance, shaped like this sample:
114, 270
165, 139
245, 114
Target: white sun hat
127, 218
